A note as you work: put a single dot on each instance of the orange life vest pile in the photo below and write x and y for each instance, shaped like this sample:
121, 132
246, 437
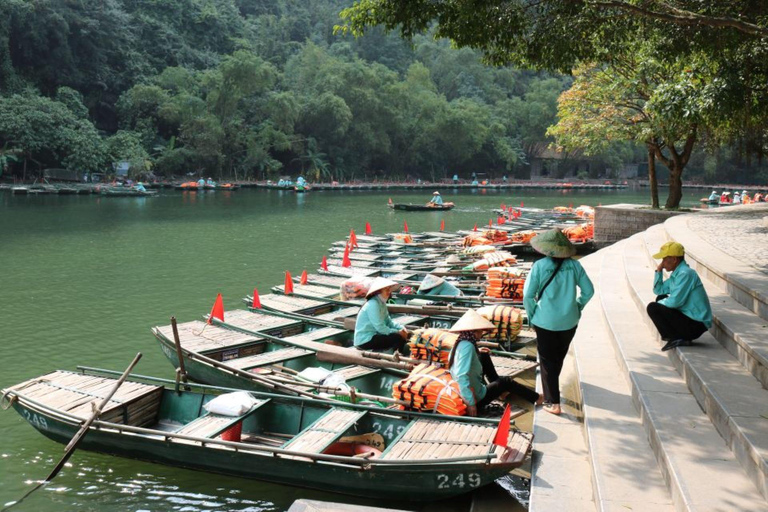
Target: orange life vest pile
522, 237
563, 209
355, 287
580, 233
490, 260
432, 345
478, 249
505, 283
430, 388
585, 211
403, 238
475, 239
495, 235
508, 322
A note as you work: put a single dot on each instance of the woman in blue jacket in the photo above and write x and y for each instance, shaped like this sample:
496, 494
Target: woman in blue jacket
553, 307
374, 328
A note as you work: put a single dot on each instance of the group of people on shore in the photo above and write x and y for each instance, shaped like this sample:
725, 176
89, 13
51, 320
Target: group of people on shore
555, 293
743, 198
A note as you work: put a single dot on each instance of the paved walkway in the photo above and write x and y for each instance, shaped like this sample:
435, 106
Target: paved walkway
733, 230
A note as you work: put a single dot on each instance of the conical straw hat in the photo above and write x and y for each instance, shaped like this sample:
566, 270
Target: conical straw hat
553, 243
379, 284
472, 321
430, 282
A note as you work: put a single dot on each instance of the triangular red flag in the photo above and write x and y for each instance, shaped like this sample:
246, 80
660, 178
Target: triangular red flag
256, 300
345, 262
475, 228
442, 225
500, 221
570, 205
288, 288
324, 263
352, 238
368, 228
522, 205
502, 432
490, 223
405, 226
218, 310
303, 279
502, 206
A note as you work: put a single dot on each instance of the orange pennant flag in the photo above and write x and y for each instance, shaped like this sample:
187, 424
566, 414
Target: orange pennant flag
405, 226
502, 432
442, 225
490, 223
345, 262
352, 238
256, 300
288, 288
475, 228
218, 310
522, 205
324, 263
303, 279
368, 228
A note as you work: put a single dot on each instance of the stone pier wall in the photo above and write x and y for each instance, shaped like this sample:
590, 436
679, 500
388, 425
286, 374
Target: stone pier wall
619, 221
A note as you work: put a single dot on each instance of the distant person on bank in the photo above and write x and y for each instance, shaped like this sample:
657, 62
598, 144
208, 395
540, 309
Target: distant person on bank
553, 307
375, 329
681, 312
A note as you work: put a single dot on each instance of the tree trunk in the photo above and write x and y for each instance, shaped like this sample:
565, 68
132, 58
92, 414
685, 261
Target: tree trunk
675, 187
652, 177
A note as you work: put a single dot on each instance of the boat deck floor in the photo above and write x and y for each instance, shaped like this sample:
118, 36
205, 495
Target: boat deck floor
321, 292
266, 358
347, 312
317, 334
197, 336
509, 367
430, 439
134, 403
351, 271
290, 303
324, 431
255, 321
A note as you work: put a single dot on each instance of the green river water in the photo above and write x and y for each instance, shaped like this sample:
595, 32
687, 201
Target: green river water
85, 277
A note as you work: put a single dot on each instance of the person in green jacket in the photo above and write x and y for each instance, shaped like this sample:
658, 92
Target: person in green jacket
374, 328
469, 366
434, 285
553, 308
681, 312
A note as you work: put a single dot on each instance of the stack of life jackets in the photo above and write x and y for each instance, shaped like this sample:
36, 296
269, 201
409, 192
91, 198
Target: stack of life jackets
475, 239
490, 260
403, 238
522, 237
508, 322
505, 283
355, 288
432, 345
430, 388
495, 235
563, 209
478, 249
585, 211
580, 233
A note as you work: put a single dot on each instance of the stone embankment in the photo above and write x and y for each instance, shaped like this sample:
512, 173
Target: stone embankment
680, 430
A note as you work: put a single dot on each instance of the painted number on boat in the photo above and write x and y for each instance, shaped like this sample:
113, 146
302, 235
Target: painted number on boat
35, 419
441, 324
460, 481
389, 432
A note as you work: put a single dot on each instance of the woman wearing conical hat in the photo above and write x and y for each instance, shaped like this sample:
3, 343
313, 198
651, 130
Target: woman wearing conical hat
435, 285
553, 307
374, 328
469, 364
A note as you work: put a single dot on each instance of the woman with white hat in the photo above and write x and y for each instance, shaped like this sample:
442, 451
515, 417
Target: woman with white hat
434, 285
553, 308
468, 365
436, 199
374, 328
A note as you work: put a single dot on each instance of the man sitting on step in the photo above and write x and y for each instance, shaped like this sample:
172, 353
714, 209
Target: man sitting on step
681, 312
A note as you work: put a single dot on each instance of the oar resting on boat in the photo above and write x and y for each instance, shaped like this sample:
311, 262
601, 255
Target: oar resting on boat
275, 438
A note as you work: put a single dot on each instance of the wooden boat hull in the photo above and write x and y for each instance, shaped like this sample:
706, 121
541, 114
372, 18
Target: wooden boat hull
422, 480
407, 207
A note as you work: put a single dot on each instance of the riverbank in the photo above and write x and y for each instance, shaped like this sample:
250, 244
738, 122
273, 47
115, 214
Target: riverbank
677, 430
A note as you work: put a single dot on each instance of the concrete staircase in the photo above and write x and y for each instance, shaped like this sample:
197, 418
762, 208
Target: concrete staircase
685, 429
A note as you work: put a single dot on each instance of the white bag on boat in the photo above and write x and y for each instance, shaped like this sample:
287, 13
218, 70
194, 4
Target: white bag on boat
334, 380
315, 374
231, 404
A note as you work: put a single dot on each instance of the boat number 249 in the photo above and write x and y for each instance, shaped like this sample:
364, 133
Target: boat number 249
461, 480
35, 419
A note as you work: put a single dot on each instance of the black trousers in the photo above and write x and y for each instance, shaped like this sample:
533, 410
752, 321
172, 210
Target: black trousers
673, 324
553, 347
498, 385
386, 342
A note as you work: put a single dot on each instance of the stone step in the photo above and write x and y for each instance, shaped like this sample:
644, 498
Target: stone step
730, 396
740, 331
738, 279
700, 471
616, 439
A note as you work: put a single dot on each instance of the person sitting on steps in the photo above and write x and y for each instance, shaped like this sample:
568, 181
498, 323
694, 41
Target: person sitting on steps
681, 312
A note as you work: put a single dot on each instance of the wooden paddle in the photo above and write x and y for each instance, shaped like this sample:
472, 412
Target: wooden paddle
70, 448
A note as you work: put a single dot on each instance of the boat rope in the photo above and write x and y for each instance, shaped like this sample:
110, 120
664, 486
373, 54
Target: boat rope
4, 397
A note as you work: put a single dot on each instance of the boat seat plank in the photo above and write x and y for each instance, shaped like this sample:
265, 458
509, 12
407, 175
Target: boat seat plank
404, 277
289, 303
252, 321
212, 425
317, 334
324, 431
509, 367
321, 292
266, 358
354, 372
407, 319
340, 313
197, 336
326, 280
351, 271
426, 439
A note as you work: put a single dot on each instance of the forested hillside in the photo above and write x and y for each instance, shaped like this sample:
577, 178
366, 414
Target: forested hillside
253, 88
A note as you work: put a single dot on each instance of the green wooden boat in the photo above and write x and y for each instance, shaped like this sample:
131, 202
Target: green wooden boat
282, 439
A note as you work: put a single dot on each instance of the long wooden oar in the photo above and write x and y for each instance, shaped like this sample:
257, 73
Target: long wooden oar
70, 448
